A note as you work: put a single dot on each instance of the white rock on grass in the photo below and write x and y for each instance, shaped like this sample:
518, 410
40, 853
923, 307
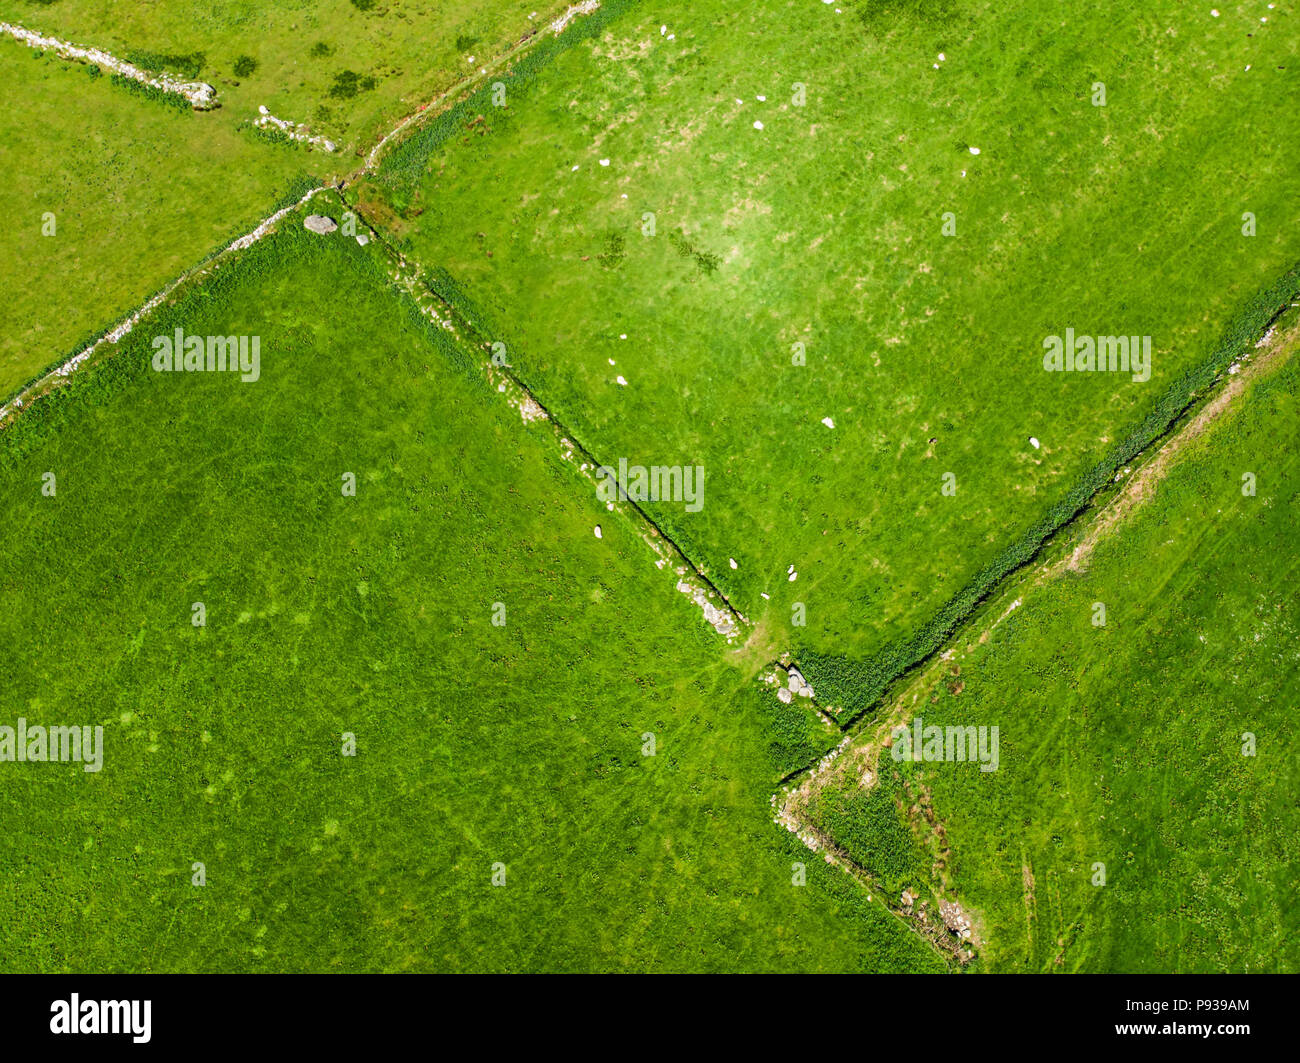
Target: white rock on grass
621, 381
733, 562
604, 162
974, 151
1033, 442
785, 695
828, 422
318, 223
758, 125
598, 534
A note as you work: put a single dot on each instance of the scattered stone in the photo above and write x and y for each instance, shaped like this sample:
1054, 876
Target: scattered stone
828, 422
785, 695
318, 223
200, 95
1033, 442
598, 534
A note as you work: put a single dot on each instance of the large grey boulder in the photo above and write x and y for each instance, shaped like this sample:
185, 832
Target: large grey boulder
318, 223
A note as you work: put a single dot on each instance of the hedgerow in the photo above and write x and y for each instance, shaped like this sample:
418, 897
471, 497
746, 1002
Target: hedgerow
186, 66
856, 685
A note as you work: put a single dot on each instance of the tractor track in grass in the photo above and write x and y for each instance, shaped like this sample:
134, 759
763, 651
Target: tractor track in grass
867, 735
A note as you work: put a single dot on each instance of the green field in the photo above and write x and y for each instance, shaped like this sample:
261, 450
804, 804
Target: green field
1123, 744
138, 193
372, 615
348, 70
826, 228
386, 684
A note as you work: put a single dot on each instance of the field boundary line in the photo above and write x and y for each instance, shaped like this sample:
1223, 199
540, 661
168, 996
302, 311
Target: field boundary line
410, 276
857, 686
865, 735
201, 95
43, 384
430, 109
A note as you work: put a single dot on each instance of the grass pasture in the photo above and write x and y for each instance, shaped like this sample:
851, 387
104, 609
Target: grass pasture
348, 70
476, 744
1122, 744
825, 229
385, 685
138, 193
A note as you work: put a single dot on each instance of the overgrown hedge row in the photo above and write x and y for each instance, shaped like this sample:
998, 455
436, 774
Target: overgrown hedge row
856, 685
406, 162
872, 828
